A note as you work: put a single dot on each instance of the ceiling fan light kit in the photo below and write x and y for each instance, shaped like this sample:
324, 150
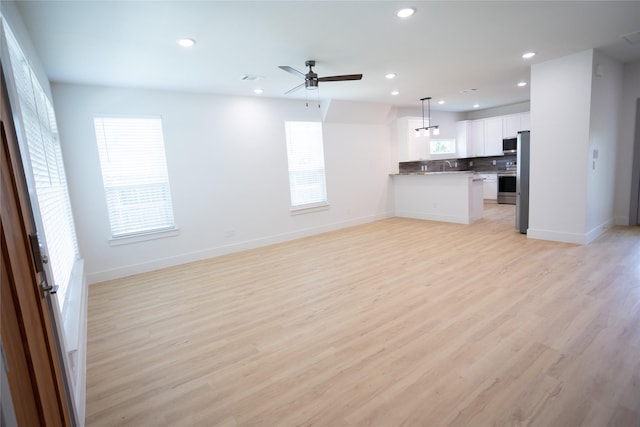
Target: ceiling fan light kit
311, 79
426, 130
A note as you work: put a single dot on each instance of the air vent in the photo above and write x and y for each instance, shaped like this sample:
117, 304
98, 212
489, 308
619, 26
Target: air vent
631, 38
251, 77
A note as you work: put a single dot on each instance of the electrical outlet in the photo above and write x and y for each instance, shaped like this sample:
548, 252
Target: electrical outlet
494, 163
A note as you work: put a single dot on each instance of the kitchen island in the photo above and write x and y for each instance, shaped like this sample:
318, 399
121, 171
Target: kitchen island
455, 196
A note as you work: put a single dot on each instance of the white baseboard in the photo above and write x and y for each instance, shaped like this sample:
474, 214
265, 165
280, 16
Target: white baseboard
599, 230
575, 238
128, 270
436, 217
557, 236
621, 220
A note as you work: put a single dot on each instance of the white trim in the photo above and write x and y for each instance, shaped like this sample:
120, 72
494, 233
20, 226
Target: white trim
575, 238
300, 210
599, 230
621, 220
127, 240
557, 236
128, 270
457, 219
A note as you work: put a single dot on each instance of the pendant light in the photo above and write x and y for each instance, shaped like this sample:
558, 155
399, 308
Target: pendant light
426, 130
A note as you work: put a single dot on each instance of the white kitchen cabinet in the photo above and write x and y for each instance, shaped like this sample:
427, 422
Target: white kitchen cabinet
463, 129
525, 121
412, 147
493, 136
483, 137
514, 123
490, 186
476, 138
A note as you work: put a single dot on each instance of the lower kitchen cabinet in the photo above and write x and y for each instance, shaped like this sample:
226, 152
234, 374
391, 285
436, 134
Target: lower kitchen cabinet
490, 186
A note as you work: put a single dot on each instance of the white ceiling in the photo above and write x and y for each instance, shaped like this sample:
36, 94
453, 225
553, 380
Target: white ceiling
445, 48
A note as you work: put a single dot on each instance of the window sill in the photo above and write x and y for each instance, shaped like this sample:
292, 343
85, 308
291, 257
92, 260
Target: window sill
127, 240
309, 209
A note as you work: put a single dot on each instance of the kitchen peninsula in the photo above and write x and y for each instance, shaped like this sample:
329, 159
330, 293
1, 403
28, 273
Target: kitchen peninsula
455, 196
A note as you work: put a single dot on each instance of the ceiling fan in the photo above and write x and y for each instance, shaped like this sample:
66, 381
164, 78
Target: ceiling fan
311, 79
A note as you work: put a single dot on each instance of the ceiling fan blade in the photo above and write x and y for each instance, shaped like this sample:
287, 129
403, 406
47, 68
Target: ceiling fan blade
292, 71
340, 78
301, 85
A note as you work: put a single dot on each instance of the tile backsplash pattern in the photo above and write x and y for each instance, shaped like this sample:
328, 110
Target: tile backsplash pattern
477, 164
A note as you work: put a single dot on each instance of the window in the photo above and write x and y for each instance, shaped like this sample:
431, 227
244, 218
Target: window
44, 169
305, 156
443, 146
134, 175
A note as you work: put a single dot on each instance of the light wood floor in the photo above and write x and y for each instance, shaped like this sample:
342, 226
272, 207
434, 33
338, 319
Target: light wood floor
395, 323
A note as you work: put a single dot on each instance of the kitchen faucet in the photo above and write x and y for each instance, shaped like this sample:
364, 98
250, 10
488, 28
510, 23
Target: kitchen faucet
448, 162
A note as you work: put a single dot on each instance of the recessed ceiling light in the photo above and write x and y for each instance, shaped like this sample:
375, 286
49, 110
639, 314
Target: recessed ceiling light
258, 91
390, 75
476, 105
395, 92
186, 42
529, 55
441, 102
406, 12
521, 84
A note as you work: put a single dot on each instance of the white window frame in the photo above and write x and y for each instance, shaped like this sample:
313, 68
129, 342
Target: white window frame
307, 172
447, 154
135, 177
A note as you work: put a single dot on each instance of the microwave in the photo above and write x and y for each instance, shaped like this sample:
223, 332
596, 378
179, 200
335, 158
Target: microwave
510, 145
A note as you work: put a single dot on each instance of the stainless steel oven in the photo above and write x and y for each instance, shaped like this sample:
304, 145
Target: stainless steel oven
507, 187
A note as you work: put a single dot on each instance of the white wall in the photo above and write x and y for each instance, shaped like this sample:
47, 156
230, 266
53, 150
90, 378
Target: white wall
227, 166
11, 14
625, 155
444, 119
603, 138
575, 103
560, 115
521, 107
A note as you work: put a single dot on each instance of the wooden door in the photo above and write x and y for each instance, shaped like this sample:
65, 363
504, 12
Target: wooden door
34, 367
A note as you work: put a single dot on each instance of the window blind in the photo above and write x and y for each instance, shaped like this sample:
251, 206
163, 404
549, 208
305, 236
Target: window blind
305, 155
134, 174
44, 164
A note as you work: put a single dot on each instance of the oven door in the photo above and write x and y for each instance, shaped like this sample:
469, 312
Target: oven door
507, 189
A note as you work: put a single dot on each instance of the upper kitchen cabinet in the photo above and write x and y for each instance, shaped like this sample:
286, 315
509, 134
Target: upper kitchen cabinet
493, 136
475, 139
463, 132
412, 147
483, 137
514, 123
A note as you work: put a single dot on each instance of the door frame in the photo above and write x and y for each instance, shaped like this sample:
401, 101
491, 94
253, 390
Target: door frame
634, 208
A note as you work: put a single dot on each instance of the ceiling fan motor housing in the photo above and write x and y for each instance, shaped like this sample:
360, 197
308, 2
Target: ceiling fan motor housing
311, 83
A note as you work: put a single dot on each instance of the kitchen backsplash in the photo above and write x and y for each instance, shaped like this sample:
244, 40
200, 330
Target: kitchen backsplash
478, 164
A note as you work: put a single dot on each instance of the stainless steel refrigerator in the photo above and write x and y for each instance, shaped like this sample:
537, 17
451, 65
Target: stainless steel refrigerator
522, 182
